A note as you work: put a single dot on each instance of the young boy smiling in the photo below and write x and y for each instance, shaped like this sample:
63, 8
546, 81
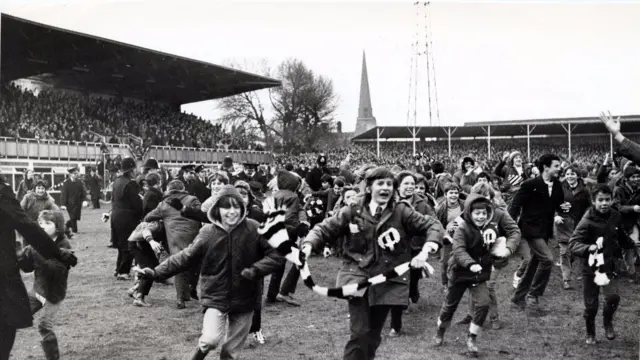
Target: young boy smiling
600, 221
378, 232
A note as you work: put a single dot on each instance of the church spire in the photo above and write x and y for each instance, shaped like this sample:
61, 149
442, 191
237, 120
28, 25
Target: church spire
364, 110
366, 120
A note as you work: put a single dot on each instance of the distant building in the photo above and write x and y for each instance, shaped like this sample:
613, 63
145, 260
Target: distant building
365, 120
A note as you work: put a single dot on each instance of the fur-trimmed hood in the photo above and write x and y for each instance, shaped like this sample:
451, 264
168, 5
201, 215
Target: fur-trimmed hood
227, 190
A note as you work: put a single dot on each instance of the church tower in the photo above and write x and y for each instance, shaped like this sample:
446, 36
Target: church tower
366, 120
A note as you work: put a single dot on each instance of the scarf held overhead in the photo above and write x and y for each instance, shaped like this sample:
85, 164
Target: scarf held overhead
274, 231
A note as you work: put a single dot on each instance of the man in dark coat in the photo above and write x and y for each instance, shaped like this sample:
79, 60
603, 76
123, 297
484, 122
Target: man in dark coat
71, 198
126, 213
535, 205
93, 184
253, 174
15, 312
314, 176
193, 184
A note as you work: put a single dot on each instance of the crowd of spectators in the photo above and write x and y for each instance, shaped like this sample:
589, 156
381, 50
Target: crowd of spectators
588, 152
64, 115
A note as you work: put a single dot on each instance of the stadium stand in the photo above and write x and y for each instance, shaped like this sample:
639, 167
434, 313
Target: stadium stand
96, 98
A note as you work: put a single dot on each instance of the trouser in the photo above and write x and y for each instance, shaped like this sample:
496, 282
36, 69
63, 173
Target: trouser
536, 276
630, 255
524, 252
567, 262
591, 292
365, 325
7, 338
396, 316
479, 297
414, 277
493, 299
288, 285
45, 325
145, 258
74, 217
96, 203
444, 263
121, 240
124, 260
214, 325
256, 321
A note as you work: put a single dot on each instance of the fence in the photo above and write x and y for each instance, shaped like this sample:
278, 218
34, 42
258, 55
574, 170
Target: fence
63, 150
206, 156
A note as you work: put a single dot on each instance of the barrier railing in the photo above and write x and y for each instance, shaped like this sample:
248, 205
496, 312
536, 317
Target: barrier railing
45, 149
205, 156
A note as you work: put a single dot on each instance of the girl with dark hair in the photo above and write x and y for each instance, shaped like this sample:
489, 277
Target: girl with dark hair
577, 195
406, 192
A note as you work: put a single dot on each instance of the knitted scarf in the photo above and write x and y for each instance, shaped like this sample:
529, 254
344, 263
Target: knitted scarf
274, 231
596, 262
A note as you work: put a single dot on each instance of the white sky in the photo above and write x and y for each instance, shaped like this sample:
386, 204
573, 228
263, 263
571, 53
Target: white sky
494, 60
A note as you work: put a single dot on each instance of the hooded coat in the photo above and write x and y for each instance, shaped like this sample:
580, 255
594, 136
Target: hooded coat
363, 254
180, 231
224, 254
594, 225
469, 246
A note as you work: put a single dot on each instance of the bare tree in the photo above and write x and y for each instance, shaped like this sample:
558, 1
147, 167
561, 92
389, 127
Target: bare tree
300, 114
247, 109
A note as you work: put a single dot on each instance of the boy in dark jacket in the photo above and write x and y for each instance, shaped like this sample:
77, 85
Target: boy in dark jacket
50, 280
234, 259
470, 266
379, 232
600, 231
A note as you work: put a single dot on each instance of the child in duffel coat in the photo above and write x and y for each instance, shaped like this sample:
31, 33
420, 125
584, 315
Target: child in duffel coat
600, 232
234, 260
379, 232
470, 266
50, 280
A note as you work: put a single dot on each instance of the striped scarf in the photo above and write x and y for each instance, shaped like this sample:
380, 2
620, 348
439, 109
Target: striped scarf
274, 231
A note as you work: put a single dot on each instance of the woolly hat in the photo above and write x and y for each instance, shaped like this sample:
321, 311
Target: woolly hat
226, 190
513, 156
288, 181
629, 171
40, 183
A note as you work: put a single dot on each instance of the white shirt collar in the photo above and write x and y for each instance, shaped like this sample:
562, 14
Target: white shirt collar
374, 206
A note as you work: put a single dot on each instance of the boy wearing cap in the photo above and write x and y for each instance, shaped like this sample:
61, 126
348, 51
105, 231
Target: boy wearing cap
71, 198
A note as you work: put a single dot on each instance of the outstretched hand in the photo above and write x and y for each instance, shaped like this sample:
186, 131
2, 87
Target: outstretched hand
612, 125
146, 273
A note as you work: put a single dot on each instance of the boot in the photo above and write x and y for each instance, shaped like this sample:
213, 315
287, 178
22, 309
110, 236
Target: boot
591, 329
471, 344
50, 348
198, 355
610, 307
438, 339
